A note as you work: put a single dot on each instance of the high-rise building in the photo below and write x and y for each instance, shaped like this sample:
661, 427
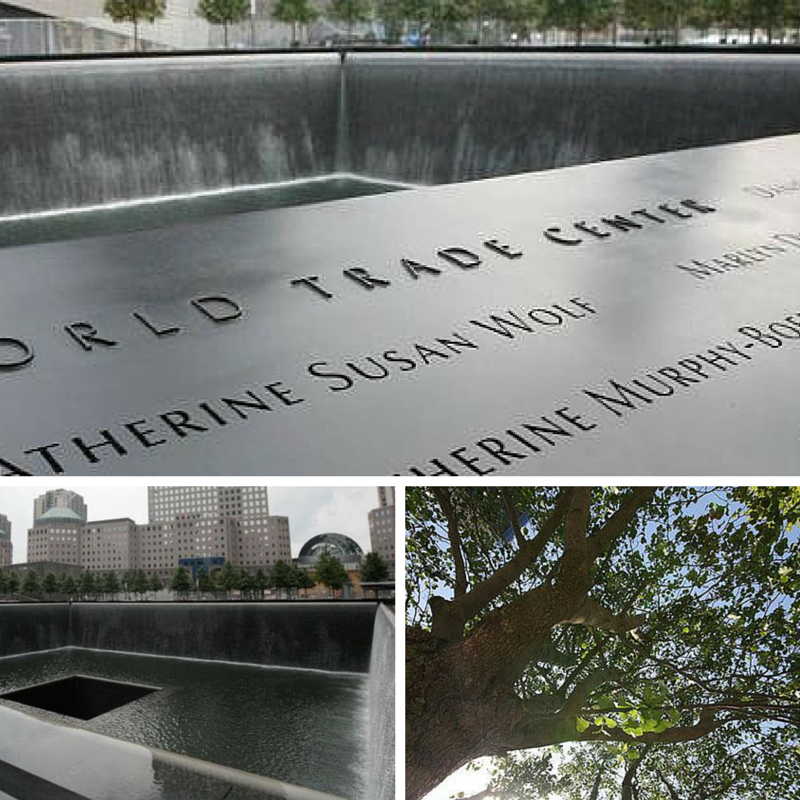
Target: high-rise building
6, 547
232, 522
59, 498
185, 522
381, 525
385, 496
109, 545
56, 536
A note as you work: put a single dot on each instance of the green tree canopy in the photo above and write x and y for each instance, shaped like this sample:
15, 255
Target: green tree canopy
110, 584
260, 582
657, 626
67, 585
577, 16
138, 583
181, 582
50, 584
87, 586
303, 580
135, 11
374, 568
224, 12
294, 13
282, 576
155, 582
204, 581
329, 571
31, 583
227, 578
350, 11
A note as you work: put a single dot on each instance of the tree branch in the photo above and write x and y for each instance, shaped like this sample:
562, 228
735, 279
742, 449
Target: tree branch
580, 694
575, 527
706, 724
446, 504
630, 775
592, 613
618, 521
513, 516
596, 788
449, 622
663, 778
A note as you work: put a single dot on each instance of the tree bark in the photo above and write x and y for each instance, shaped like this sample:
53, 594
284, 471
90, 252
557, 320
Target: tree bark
460, 698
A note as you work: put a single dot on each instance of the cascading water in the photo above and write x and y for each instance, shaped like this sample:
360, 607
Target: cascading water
381, 694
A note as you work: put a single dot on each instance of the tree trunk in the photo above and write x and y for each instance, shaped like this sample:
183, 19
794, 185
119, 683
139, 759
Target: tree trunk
225, 34
135, 35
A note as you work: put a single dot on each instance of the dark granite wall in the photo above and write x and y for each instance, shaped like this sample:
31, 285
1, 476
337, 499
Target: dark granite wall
318, 635
91, 132
29, 628
439, 118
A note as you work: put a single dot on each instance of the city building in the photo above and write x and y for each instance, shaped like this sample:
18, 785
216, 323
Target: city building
6, 547
56, 536
343, 547
43, 568
381, 526
385, 496
59, 498
197, 523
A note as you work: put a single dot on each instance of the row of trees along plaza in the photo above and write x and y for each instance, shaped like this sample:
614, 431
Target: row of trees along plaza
467, 21
286, 579
604, 643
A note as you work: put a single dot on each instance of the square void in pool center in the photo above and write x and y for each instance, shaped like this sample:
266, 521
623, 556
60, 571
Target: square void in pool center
78, 696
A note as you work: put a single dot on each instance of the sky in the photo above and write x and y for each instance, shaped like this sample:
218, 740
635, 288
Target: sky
311, 510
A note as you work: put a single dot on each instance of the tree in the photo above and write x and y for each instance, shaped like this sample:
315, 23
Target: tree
246, 583
260, 583
31, 585
227, 579
50, 584
282, 576
12, 582
351, 12
374, 568
303, 580
330, 572
642, 619
87, 586
224, 12
68, 586
139, 583
204, 583
577, 15
156, 584
181, 582
294, 13
135, 11
110, 584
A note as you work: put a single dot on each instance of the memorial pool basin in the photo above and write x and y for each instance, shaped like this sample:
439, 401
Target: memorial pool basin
89, 134
315, 729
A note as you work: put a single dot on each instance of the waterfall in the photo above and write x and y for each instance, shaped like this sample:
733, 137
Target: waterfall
381, 693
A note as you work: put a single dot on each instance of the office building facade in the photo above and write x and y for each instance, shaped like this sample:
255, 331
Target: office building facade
198, 522
381, 526
6, 547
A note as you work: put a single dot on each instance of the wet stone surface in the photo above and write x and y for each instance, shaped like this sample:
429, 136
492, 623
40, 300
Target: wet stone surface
303, 727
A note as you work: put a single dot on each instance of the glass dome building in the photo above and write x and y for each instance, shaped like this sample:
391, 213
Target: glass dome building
347, 550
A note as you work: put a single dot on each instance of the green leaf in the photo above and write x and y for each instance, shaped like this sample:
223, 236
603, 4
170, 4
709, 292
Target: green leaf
581, 724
